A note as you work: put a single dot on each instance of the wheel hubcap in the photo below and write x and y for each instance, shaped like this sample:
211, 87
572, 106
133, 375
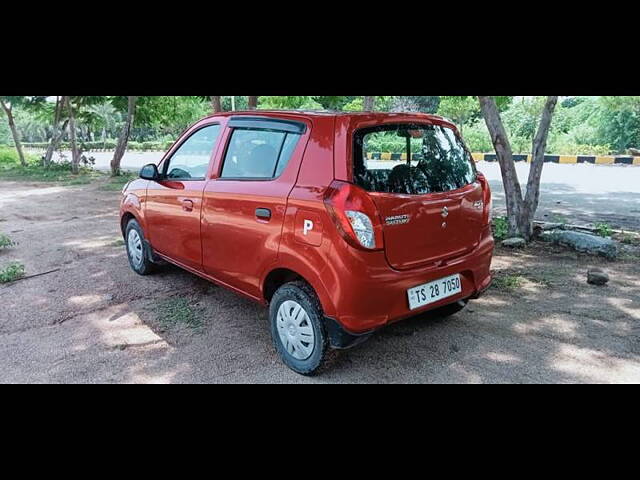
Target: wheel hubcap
295, 330
134, 243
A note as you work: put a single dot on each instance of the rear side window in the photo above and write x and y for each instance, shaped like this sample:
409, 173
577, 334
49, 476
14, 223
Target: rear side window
411, 159
258, 154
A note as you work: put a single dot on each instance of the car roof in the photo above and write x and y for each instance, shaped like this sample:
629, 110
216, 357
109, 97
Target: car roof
329, 113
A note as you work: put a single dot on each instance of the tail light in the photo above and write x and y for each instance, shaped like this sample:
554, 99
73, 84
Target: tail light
486, 198
355, 215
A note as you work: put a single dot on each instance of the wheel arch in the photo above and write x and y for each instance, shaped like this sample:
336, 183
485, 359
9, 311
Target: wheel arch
281, 275
126, 217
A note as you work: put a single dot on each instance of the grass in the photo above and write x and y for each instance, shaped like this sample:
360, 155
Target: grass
508, 282
10, 169
116, 184
629, 239
11, 272
5, 241
177, 311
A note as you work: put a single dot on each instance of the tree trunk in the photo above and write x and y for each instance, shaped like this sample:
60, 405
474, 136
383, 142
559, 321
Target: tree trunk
123, 140
57, 133
253, 103
216, 103
75, 152
368, 104
532, 197
14, 132
513, 192
520, 212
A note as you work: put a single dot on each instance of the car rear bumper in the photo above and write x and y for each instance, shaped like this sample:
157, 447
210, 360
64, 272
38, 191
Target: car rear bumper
368, 294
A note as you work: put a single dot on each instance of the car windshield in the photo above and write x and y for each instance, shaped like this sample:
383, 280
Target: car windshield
411, 159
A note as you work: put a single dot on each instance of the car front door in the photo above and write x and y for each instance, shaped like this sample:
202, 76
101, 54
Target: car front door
174, 202
244, 206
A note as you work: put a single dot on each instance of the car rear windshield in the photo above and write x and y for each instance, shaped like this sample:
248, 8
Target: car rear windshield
411, 159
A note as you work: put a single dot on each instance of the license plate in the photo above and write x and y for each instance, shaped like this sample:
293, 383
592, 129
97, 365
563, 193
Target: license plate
434, 291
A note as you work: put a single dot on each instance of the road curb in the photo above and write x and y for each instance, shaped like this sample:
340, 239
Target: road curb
491, 157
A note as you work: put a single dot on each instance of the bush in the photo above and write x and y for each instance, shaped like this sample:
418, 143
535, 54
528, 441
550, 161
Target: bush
477, 138
500, 228
5, 241
9, 157
110, 144
604, 230
11, 272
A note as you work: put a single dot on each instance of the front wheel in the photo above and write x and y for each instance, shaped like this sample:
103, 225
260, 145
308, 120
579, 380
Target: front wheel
297, 328
137, 249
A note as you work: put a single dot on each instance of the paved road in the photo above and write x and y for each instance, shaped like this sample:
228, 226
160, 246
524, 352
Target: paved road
581, 194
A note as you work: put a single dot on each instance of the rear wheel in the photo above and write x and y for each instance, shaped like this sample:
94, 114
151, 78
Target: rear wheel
297, 328
137, 249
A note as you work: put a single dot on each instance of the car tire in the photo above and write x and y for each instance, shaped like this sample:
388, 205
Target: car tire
297, 327
137, 249
451, 309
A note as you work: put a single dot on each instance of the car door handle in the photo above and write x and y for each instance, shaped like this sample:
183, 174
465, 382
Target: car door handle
263, 214
187, 205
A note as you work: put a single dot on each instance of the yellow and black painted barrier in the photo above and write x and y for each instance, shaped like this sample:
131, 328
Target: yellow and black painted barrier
491, 157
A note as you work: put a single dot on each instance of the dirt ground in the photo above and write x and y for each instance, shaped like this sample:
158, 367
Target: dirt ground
95, 321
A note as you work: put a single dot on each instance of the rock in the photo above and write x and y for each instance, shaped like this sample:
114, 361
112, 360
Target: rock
583, 242
515, 242
595, 276
635, 152
553, 226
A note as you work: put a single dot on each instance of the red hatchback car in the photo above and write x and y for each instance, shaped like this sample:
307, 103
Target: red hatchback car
341, 222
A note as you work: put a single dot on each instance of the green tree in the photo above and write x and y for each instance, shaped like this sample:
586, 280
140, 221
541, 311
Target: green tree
520, 210
170, 115
423, 104
8, 104
59, 125
75, 107
252, 103
289, 103
123, 139
620, 122
333, 103
459, 109
216, 103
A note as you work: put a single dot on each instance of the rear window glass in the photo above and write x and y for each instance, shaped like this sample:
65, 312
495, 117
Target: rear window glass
411, 159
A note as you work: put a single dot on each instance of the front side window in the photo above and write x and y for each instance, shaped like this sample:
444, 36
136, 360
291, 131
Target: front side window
258, 154
411, 159
191, 160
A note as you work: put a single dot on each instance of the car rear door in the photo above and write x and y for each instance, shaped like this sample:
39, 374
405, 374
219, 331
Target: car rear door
244, 207
431, 207
174, 203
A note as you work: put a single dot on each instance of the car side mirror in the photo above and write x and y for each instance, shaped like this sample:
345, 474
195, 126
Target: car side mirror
150, 172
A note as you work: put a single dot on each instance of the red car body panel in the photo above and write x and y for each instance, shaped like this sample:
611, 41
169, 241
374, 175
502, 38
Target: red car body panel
211, 226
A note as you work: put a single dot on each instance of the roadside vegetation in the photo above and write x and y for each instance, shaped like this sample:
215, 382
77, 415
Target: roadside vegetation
5, 241
506, 125
12, 272
61, 173
500, 228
